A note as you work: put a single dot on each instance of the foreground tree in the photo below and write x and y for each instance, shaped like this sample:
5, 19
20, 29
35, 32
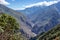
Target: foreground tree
9, 28
8, 23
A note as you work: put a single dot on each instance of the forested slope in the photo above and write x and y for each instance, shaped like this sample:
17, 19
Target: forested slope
53, 34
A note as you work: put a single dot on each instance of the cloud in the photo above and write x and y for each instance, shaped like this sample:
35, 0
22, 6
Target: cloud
44, 3
4, 2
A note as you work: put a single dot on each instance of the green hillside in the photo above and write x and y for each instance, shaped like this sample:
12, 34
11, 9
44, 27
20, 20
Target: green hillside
53, 34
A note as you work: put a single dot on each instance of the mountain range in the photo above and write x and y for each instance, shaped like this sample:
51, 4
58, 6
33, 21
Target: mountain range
42, 18
35, 20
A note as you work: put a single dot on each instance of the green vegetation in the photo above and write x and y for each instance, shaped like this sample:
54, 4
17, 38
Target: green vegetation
53, 34
9, 28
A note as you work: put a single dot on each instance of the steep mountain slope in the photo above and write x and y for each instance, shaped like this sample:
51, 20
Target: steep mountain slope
43, 18
31, 11
20, 18
53, 34
58, 6
46, 20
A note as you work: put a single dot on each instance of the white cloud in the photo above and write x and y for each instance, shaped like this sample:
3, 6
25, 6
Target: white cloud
4, 2
44, 3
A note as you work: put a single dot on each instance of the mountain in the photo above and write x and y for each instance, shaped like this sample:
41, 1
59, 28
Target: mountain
25, 29
46, 20
52, 34
35, 20
43, 18
30, 11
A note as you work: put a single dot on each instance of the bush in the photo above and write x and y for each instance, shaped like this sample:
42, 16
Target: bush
8, 28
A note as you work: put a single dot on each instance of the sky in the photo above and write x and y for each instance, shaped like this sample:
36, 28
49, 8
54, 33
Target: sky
23, 4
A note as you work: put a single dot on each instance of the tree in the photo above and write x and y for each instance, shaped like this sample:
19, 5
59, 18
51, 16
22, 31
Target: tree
8, 26
8, 23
